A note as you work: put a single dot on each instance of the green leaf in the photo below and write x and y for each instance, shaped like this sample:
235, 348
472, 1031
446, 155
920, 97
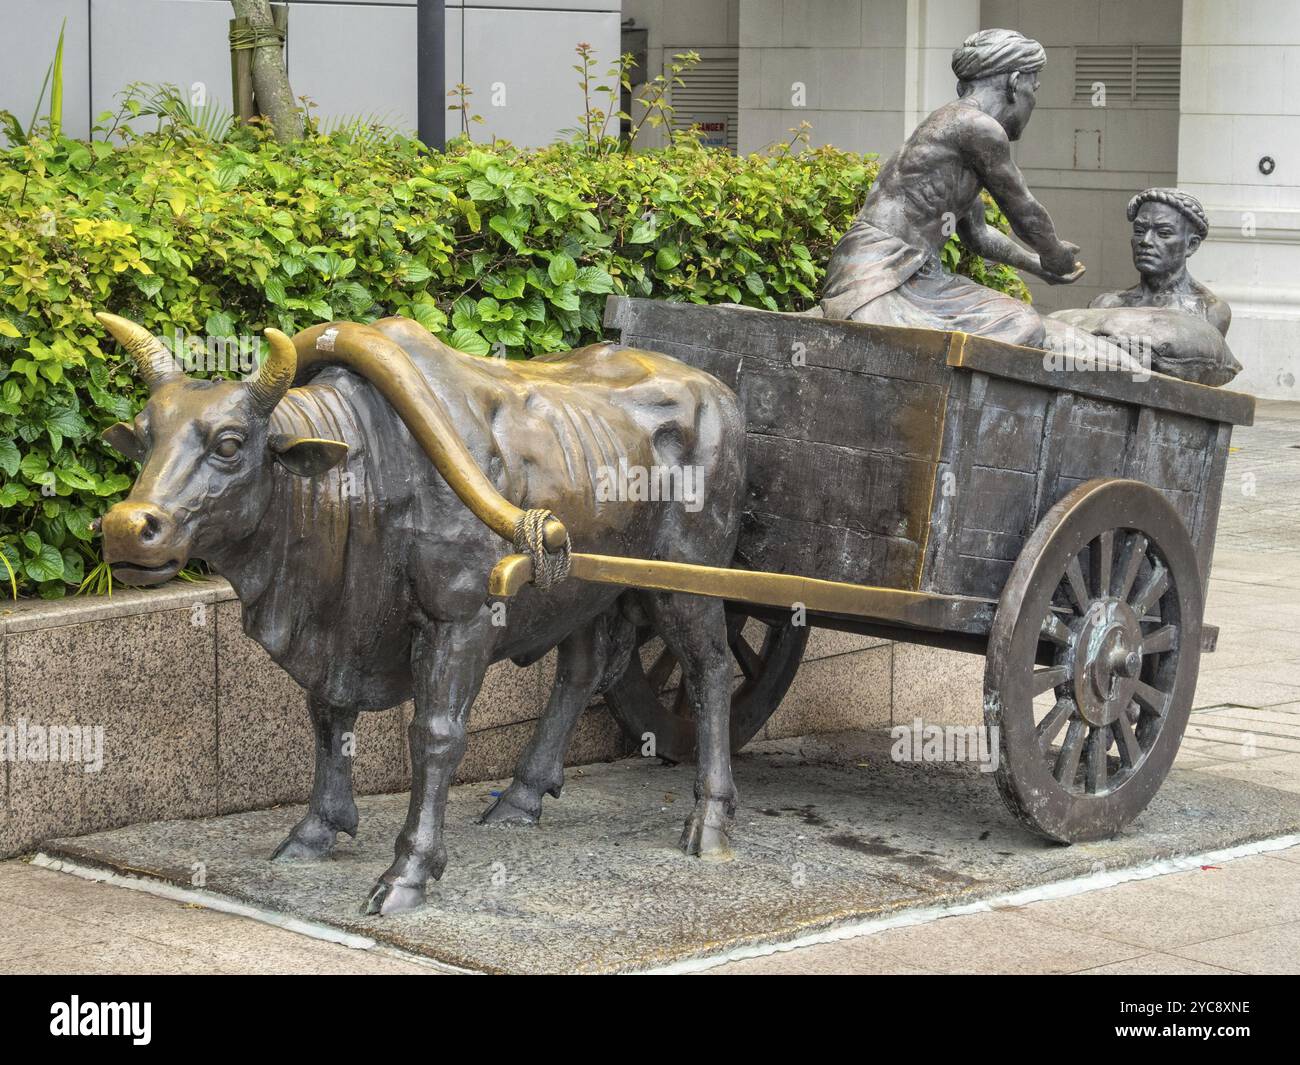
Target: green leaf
9, 457
45, 565
562, 268
643, 233
667, 257
594, 279
414, 272
470, 342
33, 465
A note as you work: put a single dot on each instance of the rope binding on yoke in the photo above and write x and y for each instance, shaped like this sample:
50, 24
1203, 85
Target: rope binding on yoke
548, 569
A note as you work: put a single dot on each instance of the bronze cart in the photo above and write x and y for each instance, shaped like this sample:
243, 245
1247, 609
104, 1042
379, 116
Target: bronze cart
946, 489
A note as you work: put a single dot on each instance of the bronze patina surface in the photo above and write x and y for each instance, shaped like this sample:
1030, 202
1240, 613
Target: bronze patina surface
1168, 313
359, 513
887, 270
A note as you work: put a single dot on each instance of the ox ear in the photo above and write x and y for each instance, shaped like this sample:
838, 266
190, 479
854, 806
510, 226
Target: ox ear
306, 455
122, 439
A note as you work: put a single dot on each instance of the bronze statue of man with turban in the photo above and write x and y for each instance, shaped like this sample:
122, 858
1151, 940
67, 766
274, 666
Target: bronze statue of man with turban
887, 270
1168, 227
1177, 323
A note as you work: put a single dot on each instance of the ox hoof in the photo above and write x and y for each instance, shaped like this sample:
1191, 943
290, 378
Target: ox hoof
386, 898
310, 841
706, 835
514, 806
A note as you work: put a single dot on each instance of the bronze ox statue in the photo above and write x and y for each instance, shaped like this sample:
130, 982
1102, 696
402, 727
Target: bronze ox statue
363, 572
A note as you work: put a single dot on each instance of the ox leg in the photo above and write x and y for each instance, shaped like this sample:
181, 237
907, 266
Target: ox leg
448, 662
579, 667
695, 628
331, 809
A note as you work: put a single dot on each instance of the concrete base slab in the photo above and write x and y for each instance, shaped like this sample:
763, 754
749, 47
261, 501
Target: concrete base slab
829, 831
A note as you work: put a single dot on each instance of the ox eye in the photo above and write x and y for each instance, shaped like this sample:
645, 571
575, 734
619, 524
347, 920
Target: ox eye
227, 447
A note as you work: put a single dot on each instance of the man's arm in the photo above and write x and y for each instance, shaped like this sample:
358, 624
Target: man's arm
988, 151
984, 240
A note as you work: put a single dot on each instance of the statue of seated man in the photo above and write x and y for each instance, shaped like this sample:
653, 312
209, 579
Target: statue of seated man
886, 269
1167, 319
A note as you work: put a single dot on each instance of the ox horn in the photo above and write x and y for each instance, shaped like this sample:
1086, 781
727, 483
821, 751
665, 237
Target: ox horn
155, 362
276, 374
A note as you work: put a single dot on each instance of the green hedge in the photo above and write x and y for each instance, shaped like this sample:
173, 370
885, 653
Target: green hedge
496, 250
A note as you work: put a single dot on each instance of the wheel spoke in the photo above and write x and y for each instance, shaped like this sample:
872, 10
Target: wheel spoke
1051, 724
750, 663
661, 670
1067, 761
1152, 698
1094, 773
1078, 587
1101, 558
1151, 591
1130, 753
1056, 630
1135, 551
1049, 678
1163, 639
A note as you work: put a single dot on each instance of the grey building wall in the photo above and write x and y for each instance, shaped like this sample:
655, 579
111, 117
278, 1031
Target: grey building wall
1241, 104
710, 27
1084, 162
351, 57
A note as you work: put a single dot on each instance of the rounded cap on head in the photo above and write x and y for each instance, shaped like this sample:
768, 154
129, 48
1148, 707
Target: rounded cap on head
1184, 202
991, 52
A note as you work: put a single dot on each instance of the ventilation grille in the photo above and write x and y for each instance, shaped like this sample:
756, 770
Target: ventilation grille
1141, 73
711, 90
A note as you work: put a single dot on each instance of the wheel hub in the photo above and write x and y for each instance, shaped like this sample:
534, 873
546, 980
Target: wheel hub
1107, 660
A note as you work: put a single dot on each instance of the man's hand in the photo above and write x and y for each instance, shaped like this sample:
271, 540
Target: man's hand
1065, 279
1061, 261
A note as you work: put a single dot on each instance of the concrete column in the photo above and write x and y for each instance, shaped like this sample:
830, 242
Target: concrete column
1240, 108
934, 29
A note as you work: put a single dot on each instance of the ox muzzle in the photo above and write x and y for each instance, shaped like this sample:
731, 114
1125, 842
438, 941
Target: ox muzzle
142, 544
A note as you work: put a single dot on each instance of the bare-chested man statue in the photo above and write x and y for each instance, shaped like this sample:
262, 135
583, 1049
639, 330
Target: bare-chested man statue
886, 269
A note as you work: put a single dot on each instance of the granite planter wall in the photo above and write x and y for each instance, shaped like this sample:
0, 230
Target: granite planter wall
179, 714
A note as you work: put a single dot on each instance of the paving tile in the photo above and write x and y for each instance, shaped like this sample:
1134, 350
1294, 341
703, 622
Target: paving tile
240, 945
1259, 885
1266, 950
1255, 741
1158, 965
1151, 914
124, 955
1291, 854
1001, 942
1277, 771
25, 931
1238, 686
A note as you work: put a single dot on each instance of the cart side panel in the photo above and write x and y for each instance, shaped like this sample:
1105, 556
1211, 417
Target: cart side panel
1019, 447
988, 488
844, 427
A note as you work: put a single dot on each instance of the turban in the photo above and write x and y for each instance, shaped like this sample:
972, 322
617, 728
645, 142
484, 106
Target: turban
1183, 202
991, 52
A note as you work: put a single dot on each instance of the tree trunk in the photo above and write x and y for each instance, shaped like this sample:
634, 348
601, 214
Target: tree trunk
270, 78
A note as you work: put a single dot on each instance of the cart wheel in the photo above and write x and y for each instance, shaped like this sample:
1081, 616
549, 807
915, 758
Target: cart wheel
651, 698
1106, 596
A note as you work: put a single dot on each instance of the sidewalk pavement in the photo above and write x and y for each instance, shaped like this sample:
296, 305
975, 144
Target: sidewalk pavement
1237, 917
